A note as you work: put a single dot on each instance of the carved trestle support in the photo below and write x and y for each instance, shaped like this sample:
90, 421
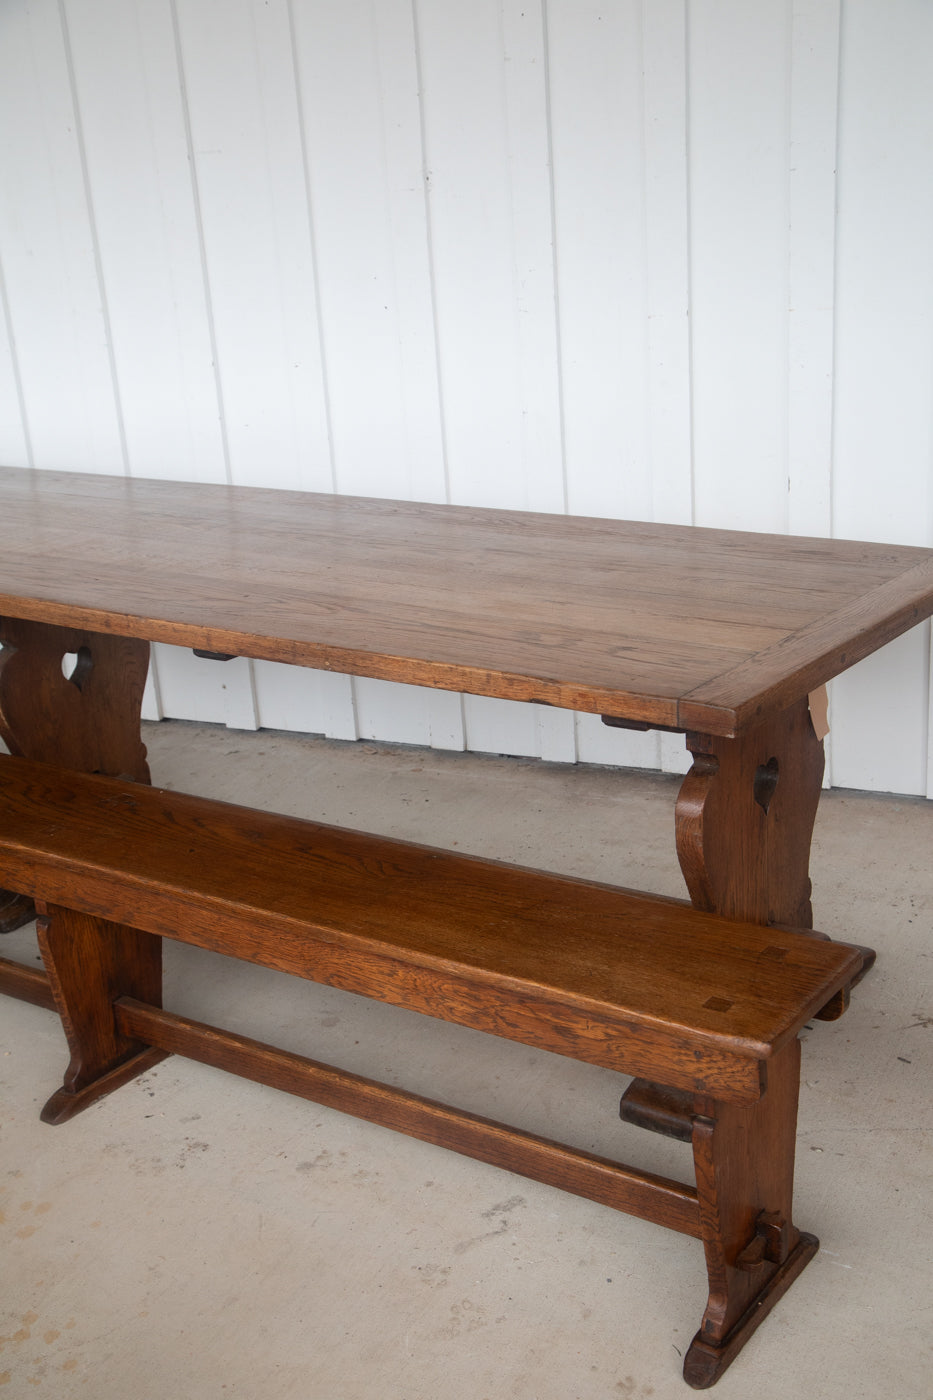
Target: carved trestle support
744, 824
87, 720
744, 820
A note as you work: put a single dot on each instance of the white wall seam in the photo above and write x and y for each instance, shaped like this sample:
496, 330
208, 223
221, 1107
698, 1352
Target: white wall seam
315, 267
429, 234
552, 210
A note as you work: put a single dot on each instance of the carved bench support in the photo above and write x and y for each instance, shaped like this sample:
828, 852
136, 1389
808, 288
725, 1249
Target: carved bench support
744, 1158
90, 962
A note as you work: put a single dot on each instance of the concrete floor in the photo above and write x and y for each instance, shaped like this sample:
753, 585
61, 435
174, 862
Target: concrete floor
196, 1237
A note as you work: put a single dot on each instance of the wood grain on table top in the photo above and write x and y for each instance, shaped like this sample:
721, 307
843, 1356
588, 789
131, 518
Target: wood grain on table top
672, 625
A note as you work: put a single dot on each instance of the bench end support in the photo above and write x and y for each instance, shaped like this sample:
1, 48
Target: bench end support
706, 1361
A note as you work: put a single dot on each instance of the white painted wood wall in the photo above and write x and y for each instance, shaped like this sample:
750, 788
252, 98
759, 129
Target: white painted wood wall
639, 258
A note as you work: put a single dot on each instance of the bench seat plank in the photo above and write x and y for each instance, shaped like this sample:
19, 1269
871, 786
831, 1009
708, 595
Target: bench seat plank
603, 974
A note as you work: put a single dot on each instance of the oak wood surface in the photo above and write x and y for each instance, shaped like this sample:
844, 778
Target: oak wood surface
601, 974
690, 628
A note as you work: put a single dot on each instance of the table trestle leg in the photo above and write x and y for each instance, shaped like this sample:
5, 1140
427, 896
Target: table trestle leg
73, 698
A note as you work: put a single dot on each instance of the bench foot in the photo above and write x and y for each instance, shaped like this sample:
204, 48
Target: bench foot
66, 1103
706, 1361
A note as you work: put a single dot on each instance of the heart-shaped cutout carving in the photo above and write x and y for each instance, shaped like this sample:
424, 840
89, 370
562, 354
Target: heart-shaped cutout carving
766, 780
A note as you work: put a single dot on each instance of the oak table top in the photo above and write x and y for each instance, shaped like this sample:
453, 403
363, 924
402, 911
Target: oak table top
678, 626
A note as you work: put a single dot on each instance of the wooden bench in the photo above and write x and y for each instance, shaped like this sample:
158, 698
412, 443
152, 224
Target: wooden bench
644, 985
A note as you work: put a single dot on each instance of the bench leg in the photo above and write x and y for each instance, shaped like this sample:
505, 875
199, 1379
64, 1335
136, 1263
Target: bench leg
90, 963
744, 1160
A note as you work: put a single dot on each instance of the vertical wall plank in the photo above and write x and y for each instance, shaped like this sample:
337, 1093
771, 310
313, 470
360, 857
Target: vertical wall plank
144, 212
597, 115
884, 350
879, 719
358, 78
627, 748
152, 708
56, 309
408, 714
738, 111
664, 47
311, 702
191, 687
814, 98
482, 74
524, 59
240, 88
882, 483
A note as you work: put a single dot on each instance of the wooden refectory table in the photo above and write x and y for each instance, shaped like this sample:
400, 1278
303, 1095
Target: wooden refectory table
717, 634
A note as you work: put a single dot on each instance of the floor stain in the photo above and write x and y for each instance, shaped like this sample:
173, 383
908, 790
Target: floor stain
465, 1316
505, 1207
465, 1245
